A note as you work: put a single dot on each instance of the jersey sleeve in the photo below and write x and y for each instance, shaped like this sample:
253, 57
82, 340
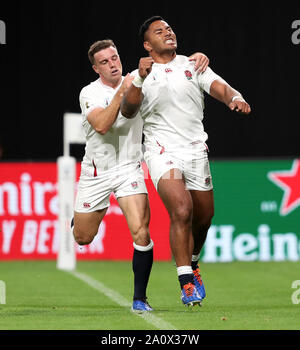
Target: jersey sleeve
207, 78
89, 101
134, 73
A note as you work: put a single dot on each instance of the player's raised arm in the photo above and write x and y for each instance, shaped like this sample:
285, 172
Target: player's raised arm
102, 119
223, 92
133, 98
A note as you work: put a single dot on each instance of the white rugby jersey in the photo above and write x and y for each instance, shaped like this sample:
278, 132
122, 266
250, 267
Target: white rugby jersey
121, 145
173, 104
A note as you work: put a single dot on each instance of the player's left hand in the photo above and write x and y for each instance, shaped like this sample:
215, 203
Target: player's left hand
201, 62
240, 106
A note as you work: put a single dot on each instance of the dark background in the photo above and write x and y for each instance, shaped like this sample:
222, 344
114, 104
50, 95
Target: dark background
44, 65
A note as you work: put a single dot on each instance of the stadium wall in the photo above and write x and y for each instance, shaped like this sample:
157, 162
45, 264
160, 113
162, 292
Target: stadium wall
257, 207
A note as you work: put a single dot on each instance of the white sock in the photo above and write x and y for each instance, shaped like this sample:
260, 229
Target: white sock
184, 270
144, 248
195, 257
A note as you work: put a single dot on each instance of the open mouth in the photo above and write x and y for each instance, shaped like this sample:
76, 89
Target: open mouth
170, 42
115, 71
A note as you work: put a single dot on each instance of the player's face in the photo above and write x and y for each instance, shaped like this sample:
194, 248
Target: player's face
160, 37
108, 66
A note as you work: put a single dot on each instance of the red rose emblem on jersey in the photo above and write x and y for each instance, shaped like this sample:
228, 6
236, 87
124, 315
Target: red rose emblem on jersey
134, 185
188, 75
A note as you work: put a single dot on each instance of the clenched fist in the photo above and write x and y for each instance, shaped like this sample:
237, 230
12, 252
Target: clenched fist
145, 66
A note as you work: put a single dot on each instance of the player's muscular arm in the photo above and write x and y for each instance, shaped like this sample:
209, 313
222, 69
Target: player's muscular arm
225, 93
131, 102
134, 96
102, 119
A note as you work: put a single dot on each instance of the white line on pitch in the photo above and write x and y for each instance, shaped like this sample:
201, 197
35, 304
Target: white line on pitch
119, 299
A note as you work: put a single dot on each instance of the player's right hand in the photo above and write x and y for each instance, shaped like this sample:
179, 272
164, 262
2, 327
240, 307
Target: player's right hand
145, 66
126, 84
240, 106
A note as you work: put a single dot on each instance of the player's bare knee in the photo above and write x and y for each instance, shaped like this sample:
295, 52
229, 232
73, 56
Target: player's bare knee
182, 214
82, 239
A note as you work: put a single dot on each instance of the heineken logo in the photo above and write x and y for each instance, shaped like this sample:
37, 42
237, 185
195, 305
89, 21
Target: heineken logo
289, 182
226, 243
257, 206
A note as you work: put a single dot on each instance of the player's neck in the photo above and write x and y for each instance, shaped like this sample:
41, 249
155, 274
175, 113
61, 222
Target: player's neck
164, 57
111, 83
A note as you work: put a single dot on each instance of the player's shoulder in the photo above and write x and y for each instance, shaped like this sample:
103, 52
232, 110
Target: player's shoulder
182, 60
134, 73
91, 88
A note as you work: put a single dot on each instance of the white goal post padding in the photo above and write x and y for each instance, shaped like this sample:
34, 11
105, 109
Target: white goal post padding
73, 131
66, 165
66, 258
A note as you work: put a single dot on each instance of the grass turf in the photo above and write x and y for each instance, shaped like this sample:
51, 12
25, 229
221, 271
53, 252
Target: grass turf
240, 296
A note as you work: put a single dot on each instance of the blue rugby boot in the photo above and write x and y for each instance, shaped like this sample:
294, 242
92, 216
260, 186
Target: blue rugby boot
199, 283
190, 295
140, 306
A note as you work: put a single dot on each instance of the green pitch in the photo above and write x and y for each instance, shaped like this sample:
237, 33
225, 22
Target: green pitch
240, 296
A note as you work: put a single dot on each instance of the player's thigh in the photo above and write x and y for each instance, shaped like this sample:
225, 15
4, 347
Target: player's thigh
137, 213
203, 207
86, 225
160, 165
176, 198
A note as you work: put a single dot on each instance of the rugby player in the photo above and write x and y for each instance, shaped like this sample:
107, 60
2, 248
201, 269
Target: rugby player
169, 96
112, 163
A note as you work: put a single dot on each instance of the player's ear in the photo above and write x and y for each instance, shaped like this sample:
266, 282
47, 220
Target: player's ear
147, 46
95, 68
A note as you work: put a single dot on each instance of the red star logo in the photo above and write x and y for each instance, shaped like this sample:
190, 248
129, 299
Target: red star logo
289, 181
